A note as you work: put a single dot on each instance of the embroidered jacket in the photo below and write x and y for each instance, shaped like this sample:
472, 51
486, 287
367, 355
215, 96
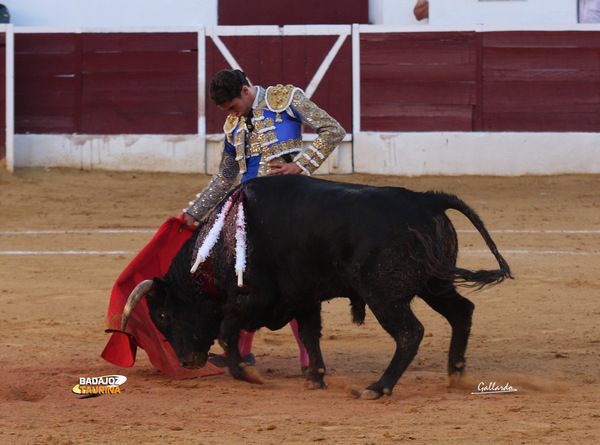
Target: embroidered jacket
279, 119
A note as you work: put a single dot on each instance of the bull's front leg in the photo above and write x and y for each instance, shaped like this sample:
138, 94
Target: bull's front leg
229, 341
309, 328
230, 337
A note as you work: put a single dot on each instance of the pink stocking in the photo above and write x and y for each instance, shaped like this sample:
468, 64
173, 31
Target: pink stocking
303, 353
245, 343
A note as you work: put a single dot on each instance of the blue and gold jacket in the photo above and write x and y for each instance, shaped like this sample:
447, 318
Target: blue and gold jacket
278, 123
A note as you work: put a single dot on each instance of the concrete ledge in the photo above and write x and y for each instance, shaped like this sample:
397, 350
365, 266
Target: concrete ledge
501, 154
402, 154
166, 153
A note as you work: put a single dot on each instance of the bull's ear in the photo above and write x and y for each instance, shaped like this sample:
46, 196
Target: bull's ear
158, 288
152, 292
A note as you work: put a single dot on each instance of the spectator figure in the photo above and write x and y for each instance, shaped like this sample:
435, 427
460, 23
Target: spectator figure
4, 14
589, 11
421, 10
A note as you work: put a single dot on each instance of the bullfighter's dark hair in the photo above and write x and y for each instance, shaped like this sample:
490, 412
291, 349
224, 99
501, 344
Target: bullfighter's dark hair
227, 85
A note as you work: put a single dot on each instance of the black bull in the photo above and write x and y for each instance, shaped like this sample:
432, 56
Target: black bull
311, 240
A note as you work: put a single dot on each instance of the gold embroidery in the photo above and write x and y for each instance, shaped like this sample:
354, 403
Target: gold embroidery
239, 154
276, 150
279, 97
330, 132
265, 125
254, 149
230, 124
258, 115
216, 189
239, 139
268, 138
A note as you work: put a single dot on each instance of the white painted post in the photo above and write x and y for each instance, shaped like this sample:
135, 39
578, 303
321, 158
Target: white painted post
202, 93
10, 97
355, 79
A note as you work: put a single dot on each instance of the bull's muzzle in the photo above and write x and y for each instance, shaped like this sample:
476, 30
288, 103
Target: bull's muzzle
194, 361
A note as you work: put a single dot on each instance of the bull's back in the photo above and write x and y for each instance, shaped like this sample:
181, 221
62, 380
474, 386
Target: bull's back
331, 234
307, 204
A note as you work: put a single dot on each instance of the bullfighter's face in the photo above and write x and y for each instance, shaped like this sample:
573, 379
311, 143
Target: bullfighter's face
240, 106
189, 325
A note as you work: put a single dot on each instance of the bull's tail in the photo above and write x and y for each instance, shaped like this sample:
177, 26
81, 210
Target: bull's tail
442, 267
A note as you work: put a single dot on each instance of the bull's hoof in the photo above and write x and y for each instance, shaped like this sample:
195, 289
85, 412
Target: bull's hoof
457, 368
370, 394
374, 394
311, 384
221, 361
459, 380
251, 375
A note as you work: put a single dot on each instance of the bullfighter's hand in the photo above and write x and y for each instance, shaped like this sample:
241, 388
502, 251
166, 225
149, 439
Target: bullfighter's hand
291, 168
189, 219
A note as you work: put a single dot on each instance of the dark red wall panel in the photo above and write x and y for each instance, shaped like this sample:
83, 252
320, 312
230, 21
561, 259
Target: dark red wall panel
511, 81
127, 83
541, 81
106, 83
418, 81
270, 60
136, 83
47, 83
292, 12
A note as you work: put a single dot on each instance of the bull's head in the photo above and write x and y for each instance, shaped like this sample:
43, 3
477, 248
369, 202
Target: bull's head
190, 325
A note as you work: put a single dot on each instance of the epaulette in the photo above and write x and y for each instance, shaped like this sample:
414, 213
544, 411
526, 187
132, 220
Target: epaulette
230, 123
279, 97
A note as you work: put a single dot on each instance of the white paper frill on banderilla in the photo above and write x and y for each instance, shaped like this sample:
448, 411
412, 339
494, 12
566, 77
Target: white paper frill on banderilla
215, 231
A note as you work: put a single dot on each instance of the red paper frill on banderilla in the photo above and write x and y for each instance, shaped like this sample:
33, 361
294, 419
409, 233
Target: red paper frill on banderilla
153, 261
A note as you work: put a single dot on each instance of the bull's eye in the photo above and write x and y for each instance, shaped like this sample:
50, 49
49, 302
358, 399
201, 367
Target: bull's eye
162, 317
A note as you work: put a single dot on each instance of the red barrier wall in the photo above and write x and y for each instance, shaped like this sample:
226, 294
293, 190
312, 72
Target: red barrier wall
269, 60
541, 81
293, 12
147, 83
418, 81
492, 81
47, 83
106, 83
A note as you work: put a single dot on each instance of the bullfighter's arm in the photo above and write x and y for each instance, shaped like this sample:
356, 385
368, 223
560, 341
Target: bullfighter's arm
217, 188
330, 132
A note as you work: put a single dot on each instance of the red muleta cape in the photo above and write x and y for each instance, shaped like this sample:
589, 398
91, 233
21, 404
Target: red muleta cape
153, 261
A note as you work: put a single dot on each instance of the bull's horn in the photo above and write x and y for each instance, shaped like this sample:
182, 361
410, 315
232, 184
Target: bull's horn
136, 295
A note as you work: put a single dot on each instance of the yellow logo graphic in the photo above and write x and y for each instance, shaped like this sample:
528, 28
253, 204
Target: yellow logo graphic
94, 386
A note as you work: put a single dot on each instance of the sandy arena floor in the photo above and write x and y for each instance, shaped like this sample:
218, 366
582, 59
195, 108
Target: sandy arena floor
539, 333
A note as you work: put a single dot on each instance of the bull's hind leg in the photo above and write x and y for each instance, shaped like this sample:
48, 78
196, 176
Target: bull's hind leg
400, 322
458, 310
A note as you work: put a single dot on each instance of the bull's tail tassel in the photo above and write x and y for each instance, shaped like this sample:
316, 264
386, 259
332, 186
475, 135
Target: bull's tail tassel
240, 238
